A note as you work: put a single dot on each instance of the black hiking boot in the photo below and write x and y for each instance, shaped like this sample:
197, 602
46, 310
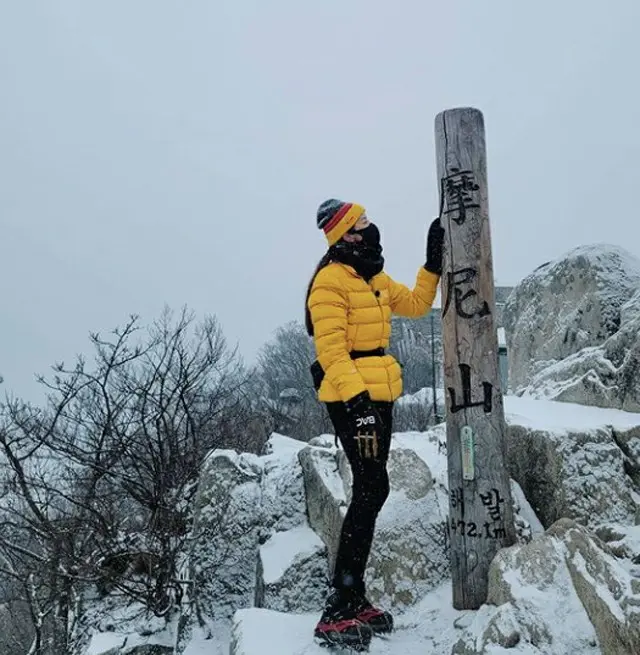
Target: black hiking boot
378, 620
338, 625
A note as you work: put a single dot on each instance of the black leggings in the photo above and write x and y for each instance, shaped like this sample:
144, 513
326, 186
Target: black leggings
369, 493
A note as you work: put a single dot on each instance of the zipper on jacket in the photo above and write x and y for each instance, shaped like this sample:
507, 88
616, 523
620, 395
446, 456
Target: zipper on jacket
377, 294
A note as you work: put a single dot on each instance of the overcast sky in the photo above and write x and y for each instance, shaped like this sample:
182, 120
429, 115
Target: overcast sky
158, 152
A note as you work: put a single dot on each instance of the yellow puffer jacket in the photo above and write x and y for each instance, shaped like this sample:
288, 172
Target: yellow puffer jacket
350, 314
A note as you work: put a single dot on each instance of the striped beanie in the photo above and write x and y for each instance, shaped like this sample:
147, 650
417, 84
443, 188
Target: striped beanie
336, 218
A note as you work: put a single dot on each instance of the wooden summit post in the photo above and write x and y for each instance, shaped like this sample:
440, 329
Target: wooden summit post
480, 510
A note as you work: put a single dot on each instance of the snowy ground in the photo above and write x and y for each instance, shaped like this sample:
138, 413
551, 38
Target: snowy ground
426, 629
554, 416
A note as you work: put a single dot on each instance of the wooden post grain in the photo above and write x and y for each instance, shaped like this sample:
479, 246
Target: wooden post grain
480, 509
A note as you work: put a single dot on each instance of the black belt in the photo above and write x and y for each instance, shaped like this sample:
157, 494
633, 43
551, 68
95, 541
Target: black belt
318, 374
376, 352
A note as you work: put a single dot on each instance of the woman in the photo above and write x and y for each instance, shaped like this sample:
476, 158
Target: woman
349, 305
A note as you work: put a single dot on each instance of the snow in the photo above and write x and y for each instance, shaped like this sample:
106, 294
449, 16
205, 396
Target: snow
423, 396
106, 643
280, 445
427, 629
213, 641
558, 416
618, 266
604, 593
280, 551
103, 642
430, 447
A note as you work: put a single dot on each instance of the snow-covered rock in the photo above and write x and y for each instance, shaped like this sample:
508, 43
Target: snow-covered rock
623, 541
609, 594
242, 499
113, 625
283, 498
573, 329
226, 532
569, 463
111, 644
252, 544
408, 474
574, 475
531, 607
562, 594
292, 571
325, 495
567, 459
157, 642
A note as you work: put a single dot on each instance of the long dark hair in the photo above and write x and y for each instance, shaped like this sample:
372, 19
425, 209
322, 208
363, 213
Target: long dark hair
327, 258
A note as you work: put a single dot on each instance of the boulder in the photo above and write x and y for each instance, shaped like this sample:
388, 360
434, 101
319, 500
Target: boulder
578, 472
531, 606
579, 475
325, 495
292, 571
573, 329
226, 532
562, 594
609, 594
282, 486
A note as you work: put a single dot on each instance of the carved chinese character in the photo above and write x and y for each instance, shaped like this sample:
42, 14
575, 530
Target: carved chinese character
459, 188
455, 280
487, 387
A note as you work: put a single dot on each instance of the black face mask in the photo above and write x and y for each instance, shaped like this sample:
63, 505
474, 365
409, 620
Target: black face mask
364, 256
370, 235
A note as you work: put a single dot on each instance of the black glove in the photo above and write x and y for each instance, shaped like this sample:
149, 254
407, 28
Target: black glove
365, 424
435, 240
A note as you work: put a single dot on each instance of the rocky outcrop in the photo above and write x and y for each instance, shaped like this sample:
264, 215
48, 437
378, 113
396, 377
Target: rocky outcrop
575, 474
573, 329
226, 533
325, 495
246, 508
564, 593
265, 527
292, 571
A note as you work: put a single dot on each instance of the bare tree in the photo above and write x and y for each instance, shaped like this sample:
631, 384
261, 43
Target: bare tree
288, 392
99, 484
412, 346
